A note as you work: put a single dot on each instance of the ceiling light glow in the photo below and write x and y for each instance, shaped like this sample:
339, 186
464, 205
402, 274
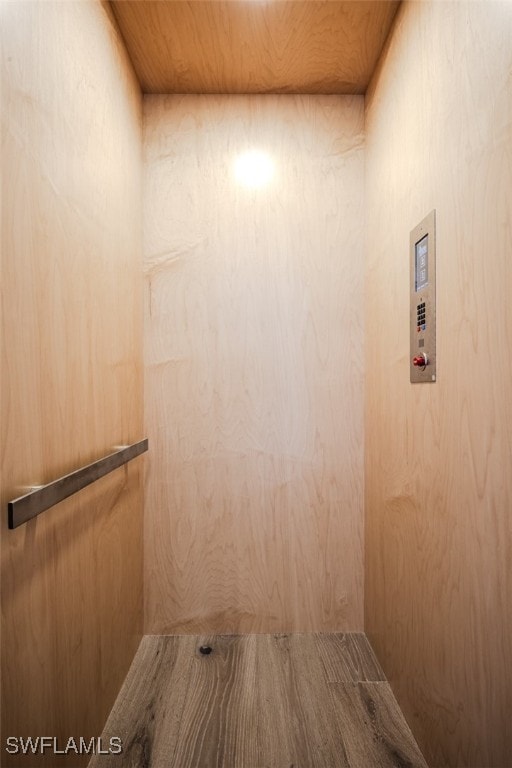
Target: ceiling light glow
254, 169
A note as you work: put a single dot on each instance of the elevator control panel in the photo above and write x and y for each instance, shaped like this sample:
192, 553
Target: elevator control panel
423, 301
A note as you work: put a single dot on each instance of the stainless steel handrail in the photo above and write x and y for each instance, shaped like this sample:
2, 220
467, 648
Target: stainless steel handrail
39, 498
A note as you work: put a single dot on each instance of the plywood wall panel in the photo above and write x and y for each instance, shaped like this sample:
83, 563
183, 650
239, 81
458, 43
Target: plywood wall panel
71, 372
253, 352
438, 486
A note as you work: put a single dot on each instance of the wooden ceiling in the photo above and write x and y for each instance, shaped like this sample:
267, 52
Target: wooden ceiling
254, 46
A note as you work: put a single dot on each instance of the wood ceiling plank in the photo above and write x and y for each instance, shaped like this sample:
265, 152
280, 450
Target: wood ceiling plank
316, 47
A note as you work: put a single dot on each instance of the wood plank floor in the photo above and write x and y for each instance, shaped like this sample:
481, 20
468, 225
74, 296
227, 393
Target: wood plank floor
258, 701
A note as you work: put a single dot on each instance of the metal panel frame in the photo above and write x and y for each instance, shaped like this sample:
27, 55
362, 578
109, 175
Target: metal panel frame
423, 341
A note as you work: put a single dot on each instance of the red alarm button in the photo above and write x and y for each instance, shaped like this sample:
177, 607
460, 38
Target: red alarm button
420, 361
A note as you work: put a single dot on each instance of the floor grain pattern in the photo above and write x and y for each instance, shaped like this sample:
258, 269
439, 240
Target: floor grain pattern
258, 701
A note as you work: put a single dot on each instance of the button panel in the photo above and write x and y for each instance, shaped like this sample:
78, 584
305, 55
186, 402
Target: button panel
421, 314
422, 360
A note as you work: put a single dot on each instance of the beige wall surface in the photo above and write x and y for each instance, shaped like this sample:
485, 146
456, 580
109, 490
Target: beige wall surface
253, 354
71, 367
438, 462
